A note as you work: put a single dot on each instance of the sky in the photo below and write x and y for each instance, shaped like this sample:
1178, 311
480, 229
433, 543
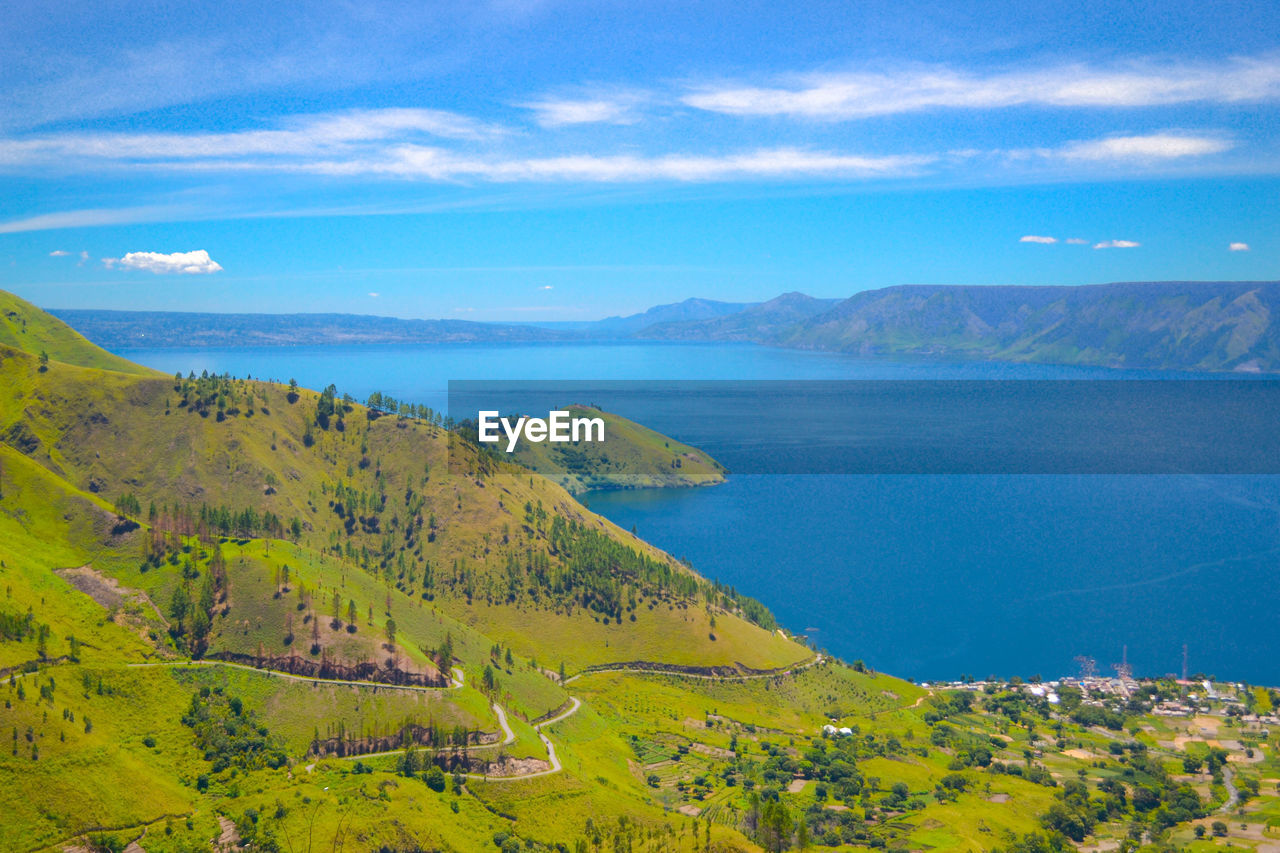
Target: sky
528, 160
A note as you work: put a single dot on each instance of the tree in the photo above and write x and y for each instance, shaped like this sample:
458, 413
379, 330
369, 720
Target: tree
391, 632
179, 606
434, 778
351, 612
445, 656
44, 361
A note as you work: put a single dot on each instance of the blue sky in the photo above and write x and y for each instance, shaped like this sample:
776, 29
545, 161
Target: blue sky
527, 160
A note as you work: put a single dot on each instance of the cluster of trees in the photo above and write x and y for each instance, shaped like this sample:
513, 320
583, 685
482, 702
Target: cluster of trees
211, 392
771, 824
247, 522
1097, 716
330, 409
171, 525
1152, 801
387, 404
601, 573
430, 767
357, 506
342, 741
229, 734
17, 627
191, 612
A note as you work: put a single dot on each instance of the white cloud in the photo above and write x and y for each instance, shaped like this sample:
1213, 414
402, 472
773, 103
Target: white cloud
1076, 241
1238, 247
324, 134
92, 217
1116, 244
548, 287
413, 161
58, 253
553, 112
1035, 238
1156, 146
839, 97
196, 262
373, 294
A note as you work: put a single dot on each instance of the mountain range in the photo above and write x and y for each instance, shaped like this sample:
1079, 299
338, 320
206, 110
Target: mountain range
1204, 326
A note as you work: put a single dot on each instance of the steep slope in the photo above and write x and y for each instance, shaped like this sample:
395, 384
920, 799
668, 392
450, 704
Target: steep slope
1178, 325
754, 323
147, 520
24, 326
632, 456
398, 499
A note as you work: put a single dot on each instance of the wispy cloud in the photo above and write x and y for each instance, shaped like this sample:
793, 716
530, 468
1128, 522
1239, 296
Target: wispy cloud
430, 163
616, 108
1238, 247
1076, 241
1116, 244
845, 96
1036, 238
58, 253
93, 217
1156, 146
315, 135
196, 262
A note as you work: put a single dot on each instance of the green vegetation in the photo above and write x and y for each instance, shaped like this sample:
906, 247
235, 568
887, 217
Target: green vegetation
251, 612
630, 457
25, 327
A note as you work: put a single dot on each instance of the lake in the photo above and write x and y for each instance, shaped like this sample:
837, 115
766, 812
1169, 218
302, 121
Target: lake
924, 576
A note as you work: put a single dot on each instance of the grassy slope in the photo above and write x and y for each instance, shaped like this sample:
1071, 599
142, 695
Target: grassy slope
96, 430
117, 434
632, 456
26, 327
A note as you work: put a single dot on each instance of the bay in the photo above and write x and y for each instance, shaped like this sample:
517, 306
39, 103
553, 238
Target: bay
923, 576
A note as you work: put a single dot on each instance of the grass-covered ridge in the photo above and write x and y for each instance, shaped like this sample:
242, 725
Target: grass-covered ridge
237, 615
25, 327
632, 456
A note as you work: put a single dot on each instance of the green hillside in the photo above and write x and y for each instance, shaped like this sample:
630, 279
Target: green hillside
239, 615
25, 327
632, 456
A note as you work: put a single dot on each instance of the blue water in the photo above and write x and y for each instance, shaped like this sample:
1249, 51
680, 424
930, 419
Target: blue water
923, 576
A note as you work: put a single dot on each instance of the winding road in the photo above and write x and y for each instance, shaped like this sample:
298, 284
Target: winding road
657, 669
509, 735
454, 684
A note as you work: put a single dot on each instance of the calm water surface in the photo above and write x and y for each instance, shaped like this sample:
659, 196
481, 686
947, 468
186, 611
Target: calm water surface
922, 576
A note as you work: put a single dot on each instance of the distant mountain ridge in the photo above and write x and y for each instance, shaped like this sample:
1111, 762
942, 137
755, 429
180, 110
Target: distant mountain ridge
1212, 326
115, 329
759, 322
690, 310
1204, 326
